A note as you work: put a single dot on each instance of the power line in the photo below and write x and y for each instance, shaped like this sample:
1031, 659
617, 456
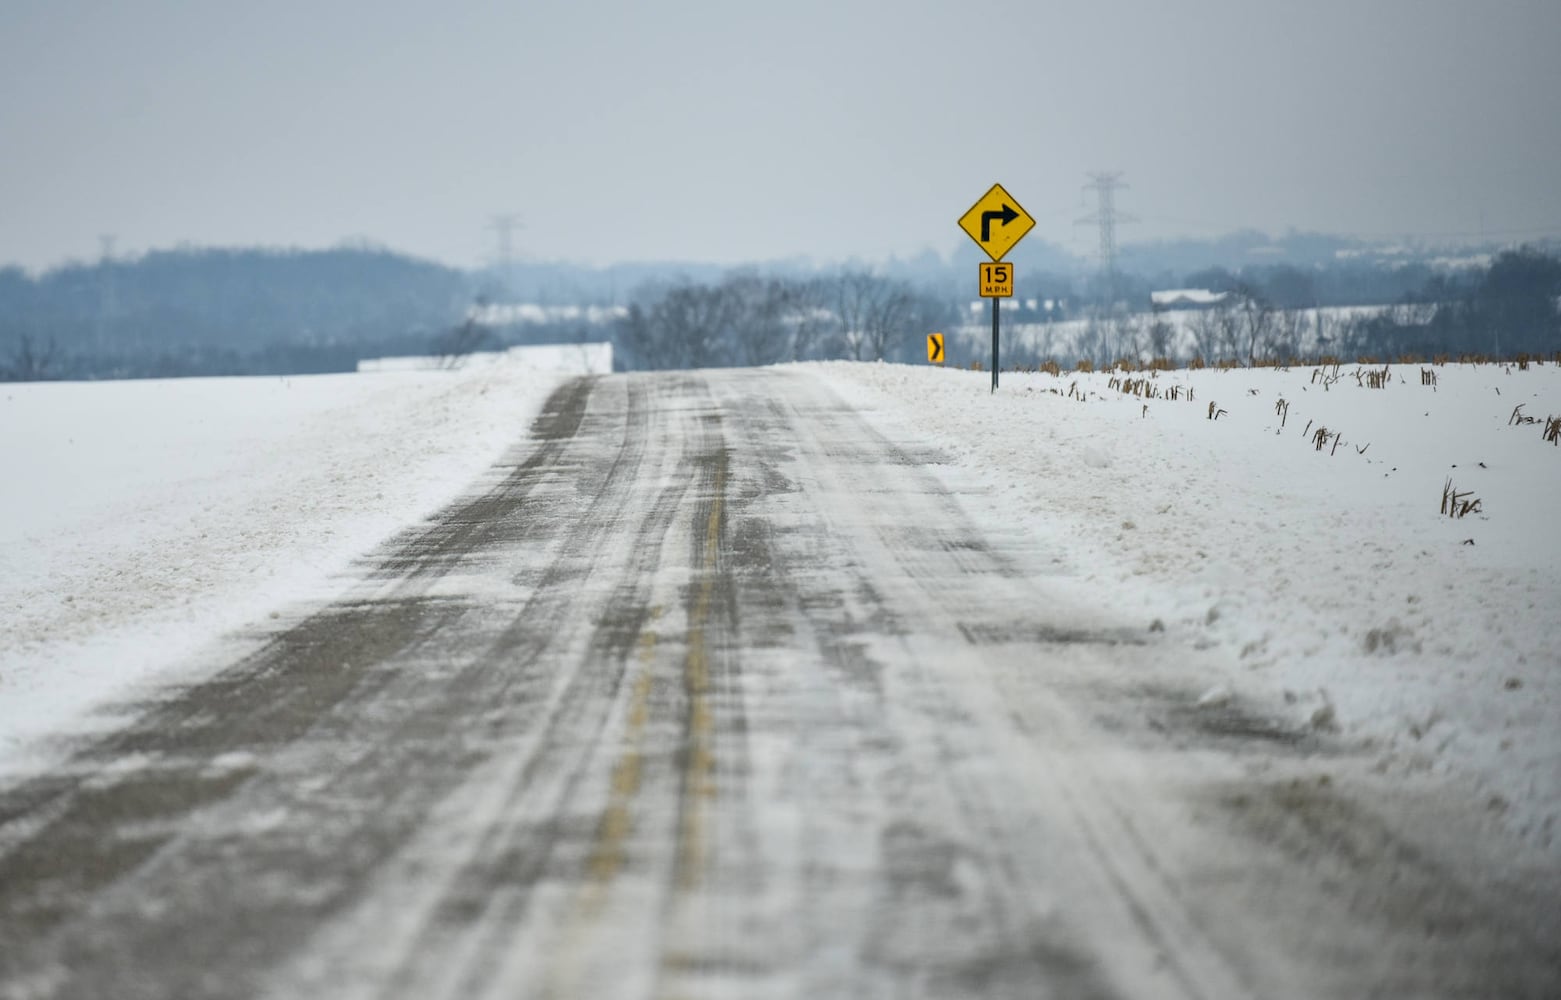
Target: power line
504, 227
1105, 184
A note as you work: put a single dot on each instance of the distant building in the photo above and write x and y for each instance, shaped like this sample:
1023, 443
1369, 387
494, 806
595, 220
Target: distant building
1187, 298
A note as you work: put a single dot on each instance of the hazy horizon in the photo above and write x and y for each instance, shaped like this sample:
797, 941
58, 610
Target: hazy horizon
729, 133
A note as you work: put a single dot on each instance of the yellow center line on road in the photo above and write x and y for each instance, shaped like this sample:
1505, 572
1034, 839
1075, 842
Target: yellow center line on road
699, 767
698, 775
612, 831
617, 821
609, 851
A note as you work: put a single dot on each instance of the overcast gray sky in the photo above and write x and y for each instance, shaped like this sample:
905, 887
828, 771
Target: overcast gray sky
732, 131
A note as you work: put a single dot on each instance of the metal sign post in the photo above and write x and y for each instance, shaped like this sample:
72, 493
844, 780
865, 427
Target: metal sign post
995, 365
997, 222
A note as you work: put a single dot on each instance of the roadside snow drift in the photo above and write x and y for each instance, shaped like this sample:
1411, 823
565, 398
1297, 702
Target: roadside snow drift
1328, 573
140, 520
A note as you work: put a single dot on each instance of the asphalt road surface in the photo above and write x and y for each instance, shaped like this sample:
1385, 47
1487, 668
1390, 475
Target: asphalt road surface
711, 690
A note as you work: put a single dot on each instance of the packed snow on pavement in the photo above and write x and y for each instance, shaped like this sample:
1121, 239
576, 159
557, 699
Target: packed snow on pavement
141, 520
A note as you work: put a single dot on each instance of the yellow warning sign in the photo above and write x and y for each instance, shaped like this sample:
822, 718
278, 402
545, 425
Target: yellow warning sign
935, 348
996, 222
997, 280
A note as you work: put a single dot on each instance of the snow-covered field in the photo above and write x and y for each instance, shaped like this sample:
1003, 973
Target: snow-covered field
1329, 578
593, 357
141, 520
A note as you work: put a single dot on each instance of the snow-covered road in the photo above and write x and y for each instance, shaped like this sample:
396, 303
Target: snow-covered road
712, 689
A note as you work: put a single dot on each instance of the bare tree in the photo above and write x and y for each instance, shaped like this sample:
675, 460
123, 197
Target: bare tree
1129, 336
877, 315
29, 363
1160, 334
810, 320
1328, 328
1227, 331
636, 338
458, 343
891, 316
688, 326
1255, 315
1408, 312
753, 320
761, 309
1290, 331
1094, 341
856, 294
1204, 329
700, 320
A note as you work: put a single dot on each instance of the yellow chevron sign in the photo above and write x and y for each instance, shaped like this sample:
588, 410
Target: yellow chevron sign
935, 348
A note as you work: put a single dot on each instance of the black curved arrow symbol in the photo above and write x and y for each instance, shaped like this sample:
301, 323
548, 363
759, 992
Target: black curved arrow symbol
1006, 216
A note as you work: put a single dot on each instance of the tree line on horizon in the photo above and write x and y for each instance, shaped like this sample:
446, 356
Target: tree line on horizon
1508, 309
230, 312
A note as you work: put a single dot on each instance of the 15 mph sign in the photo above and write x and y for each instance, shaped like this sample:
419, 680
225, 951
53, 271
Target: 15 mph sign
997, 280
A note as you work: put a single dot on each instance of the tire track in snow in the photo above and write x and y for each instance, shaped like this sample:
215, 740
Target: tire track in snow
948, 853
537, 838
145, 821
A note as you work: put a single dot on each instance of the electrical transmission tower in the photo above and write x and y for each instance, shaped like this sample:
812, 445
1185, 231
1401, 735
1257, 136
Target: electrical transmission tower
1106, 184
504, 227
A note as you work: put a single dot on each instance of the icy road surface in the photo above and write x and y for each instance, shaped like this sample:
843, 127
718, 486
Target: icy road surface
711, 690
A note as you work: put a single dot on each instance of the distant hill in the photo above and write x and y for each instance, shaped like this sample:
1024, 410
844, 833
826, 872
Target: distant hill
216, 311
